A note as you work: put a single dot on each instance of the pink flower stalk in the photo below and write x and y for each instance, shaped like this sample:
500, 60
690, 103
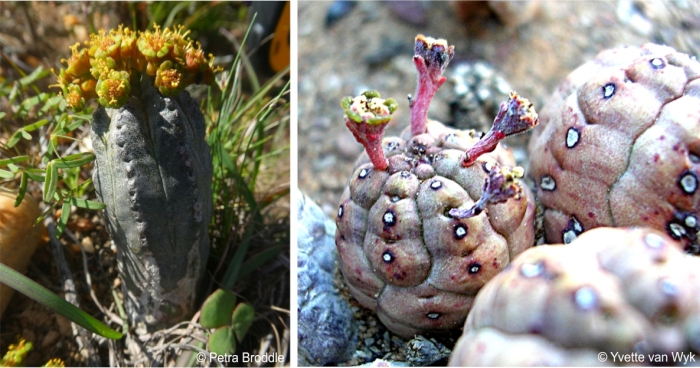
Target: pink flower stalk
367, 116
501, 185
431, 58
515, 116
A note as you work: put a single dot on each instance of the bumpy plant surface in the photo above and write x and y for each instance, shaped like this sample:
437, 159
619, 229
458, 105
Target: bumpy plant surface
612, 290
153, 167
620, 146
428, 217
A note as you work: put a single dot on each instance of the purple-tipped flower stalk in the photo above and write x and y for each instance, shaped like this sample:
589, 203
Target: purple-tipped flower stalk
515, 116
431, 58
367, 116
501, 185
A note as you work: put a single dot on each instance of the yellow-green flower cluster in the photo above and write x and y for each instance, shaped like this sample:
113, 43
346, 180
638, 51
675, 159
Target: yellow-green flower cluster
104, 68
16, 354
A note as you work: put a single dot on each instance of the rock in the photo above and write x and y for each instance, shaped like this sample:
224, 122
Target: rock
50, 339
515, 13
327, 331
424, 352
86, 244
476, 92
64, 325
18, 237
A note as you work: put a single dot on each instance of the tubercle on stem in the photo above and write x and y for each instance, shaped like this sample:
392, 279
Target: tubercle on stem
515, 116
367, 116
431, 57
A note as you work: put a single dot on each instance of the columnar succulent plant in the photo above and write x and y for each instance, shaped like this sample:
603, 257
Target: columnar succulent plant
429, 217
612, 290
153, 168
620, 146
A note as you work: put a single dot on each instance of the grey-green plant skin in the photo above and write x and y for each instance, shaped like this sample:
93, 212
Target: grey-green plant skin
153, 170
613, 290
401, 253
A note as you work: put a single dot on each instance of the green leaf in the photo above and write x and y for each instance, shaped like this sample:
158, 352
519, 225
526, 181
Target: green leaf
51, 147
36, 175
75, 125
63, 221
84, 203
28, 103
14, 139
216, 310
2, 115
222, 341
242, 318
25, 135
6, 174
34, 291
234, 267
22, 188
13, 92
34, 126
51, 102
75, 160
261, 258
37, 74
51, 181
13, 160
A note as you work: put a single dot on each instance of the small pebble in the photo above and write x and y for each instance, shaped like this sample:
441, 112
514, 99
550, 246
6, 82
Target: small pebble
50, 339
87, 245
64, 326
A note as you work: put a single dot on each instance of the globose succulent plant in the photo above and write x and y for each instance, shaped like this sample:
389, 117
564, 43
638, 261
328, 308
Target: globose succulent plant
620, 146
428, 218
612, 290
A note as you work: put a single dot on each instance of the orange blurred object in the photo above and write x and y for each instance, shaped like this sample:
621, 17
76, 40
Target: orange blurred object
18, 237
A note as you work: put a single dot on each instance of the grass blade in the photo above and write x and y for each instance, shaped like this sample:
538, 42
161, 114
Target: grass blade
261, 258
40, 294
